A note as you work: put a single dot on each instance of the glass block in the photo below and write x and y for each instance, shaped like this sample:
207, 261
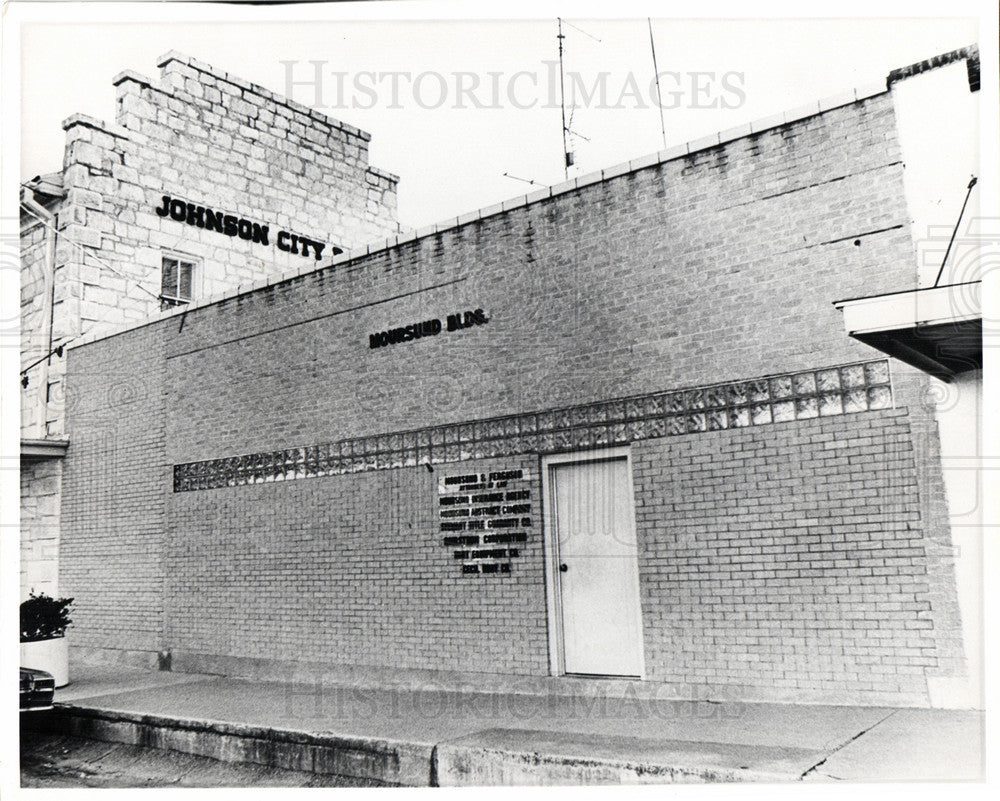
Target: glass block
652, 406
877, 372
806, 408
410, 457
782, 411
737, 394
828, 380
511, 427
581, 437
656, 427
804, 383
438, 456
563, 418
636, 430
781, 387
633, 409
332, 458
758, 391
830, 403
563, 440
717, 419
852, 376
594, 413
879, 398
598, 435
676, 424
437, 436
579, 416
423, 438
674, 402
529, 443
466, 452
546, 443
617, 433
465, 433
383, 444
528, 423
739, 417
695, 399
546, 421
451, 434
614, 411
760, 414
696, 422
408, 439
715, 396
505, 446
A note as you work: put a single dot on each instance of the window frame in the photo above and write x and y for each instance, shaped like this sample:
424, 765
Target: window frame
170, 301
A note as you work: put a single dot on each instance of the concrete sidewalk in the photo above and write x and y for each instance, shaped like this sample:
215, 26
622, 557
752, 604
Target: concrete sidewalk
421, 735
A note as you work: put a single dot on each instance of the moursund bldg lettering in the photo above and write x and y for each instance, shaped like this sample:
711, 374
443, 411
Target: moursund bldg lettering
427, 328
231, 225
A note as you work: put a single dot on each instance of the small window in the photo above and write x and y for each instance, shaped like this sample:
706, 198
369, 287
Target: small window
176, 286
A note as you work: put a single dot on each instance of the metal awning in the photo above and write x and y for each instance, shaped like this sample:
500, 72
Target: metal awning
938, 330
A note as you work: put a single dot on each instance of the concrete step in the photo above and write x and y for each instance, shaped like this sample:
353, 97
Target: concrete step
489, 757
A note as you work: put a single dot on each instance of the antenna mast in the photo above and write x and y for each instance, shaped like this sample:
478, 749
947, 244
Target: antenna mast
567, 156
656, 75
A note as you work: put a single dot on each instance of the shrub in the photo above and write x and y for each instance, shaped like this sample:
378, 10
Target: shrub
44, 618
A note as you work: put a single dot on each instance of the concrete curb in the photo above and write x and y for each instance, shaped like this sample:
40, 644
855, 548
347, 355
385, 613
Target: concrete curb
386, 761
490, 757
524, 757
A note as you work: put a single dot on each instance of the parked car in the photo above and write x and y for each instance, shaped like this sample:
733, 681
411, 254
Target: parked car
37, 689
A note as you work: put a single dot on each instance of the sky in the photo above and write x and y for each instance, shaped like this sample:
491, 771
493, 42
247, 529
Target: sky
453, 105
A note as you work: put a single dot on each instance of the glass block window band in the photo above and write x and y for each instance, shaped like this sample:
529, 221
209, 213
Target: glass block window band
804, 395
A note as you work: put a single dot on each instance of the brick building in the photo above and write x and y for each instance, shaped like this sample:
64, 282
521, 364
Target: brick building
614, 428
205, 182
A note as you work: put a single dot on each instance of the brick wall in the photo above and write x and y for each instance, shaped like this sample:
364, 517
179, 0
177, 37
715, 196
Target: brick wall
346, 570
713, 267
113, 521
790, 557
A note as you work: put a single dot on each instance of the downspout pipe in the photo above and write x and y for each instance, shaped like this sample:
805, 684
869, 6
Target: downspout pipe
36, 209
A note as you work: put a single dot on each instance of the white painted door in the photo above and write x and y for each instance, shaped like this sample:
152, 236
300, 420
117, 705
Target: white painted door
598, 571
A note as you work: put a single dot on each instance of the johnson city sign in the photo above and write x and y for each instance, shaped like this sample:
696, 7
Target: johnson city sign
231, 225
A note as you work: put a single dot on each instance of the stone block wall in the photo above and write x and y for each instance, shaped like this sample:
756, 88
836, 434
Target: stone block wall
204, 137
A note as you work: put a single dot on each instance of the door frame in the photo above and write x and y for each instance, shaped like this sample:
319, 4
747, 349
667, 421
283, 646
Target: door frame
550, 542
